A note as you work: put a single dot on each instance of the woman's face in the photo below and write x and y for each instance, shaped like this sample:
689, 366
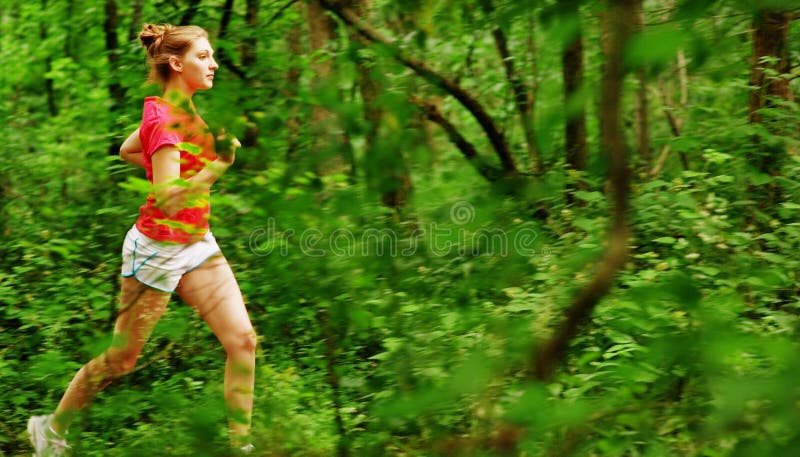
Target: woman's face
198, 65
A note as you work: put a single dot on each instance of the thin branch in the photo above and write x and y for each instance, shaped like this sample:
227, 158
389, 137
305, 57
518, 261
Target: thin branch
432, 112
190, 12
279, 13
675, 123
522, 99
496, 137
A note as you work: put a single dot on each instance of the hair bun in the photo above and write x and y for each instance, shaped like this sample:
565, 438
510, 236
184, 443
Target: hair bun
152, 35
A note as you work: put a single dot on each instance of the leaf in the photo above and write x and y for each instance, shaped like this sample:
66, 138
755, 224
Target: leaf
656, 46
589, 197
192, 148
666, 240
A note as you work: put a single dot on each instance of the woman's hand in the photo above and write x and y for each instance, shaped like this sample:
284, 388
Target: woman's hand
226, 147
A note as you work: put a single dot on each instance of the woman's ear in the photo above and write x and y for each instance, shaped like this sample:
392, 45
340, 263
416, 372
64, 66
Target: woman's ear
175, 64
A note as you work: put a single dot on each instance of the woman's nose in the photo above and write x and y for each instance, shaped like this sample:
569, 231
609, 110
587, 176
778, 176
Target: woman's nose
213, 64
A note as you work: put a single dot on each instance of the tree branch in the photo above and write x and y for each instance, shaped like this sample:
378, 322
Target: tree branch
190, 12
432, 112
496, 137
675, 123
522, 99
279, 13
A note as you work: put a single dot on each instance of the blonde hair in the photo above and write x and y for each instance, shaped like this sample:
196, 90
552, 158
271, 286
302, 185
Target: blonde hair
163, 41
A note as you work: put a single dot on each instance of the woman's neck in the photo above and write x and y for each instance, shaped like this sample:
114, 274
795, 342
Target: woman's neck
177, 97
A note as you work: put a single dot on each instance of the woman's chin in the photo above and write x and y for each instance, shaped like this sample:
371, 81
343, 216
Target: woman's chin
205, 85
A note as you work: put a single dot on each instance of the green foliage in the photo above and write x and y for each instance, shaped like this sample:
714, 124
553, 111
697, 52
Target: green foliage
410, 332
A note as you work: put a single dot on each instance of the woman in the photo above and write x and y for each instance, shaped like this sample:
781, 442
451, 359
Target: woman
170, 248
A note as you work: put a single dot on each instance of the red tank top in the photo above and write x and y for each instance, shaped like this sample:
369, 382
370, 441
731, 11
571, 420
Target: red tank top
164, 124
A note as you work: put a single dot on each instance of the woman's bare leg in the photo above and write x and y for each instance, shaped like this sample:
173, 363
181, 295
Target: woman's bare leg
141, 308
213, 292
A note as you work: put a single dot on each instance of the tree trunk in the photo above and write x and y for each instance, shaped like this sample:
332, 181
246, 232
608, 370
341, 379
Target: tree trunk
422, 129
115, 89
136, 20
385, 164
69, 29
49, 89
294, 45
770, 57
249, 42
770, 40
222, 55
575, 128
250, 138
328, 143
190, 12
642, 131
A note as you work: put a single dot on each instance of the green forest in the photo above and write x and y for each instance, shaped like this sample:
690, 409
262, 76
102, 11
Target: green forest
461, 227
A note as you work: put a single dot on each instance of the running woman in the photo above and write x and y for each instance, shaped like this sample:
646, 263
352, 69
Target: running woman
170, 248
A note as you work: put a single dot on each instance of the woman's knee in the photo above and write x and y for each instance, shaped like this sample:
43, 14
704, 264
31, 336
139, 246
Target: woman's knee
119, 363
242, 345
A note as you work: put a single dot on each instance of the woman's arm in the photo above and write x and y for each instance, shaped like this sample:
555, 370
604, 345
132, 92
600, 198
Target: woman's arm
131, 150
170, 190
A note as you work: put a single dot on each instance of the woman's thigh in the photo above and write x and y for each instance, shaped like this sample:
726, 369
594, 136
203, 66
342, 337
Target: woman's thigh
213, 292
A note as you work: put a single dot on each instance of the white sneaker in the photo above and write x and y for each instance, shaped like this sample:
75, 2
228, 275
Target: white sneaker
46, 442
247, 449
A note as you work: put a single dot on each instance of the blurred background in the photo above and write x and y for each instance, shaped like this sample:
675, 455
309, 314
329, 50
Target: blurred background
428, 220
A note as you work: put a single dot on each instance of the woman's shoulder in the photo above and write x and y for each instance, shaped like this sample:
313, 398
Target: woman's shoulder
157, 110
154, 108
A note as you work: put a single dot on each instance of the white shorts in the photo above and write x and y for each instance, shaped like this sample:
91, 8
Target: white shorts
161, 265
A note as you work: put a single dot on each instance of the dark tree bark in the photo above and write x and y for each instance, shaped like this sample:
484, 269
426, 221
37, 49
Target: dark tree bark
49, 89
115, 89
136, 20
642, 120
331, 334
330, 145
69, 29
222, 56
294, 44
575, 144
190, 12
385, 164
771, 41
468, 150
572, 72
249, 42
770, 55
110, 26
225, 19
